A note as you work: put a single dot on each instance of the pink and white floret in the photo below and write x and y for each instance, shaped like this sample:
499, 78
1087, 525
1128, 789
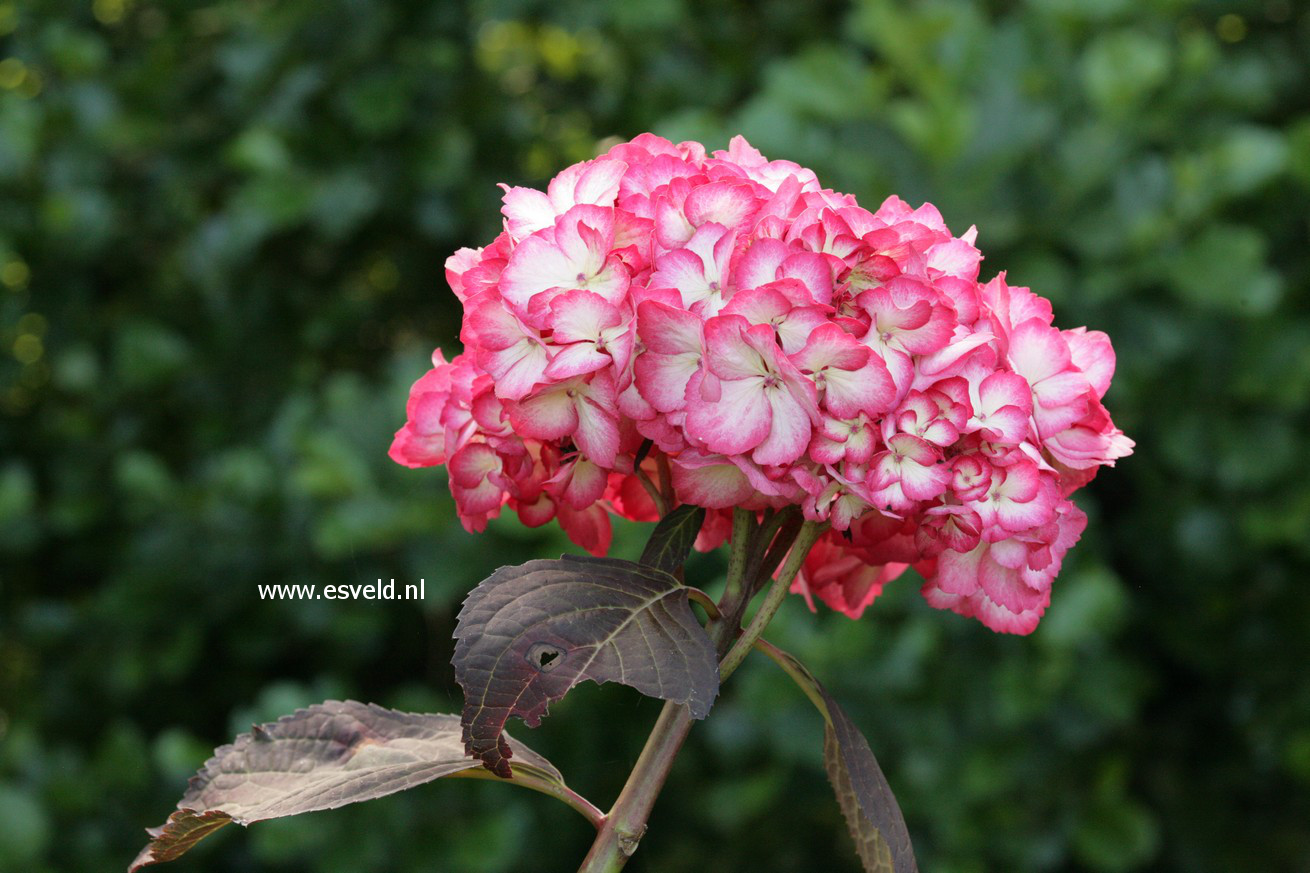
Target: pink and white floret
759, 341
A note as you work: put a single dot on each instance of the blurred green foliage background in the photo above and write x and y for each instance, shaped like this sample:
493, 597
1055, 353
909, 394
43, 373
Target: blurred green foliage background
222, 229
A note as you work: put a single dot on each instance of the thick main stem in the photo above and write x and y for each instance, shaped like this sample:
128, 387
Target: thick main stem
626, 822
623, 827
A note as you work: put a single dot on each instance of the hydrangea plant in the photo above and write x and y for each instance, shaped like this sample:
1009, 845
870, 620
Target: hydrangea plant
717, 344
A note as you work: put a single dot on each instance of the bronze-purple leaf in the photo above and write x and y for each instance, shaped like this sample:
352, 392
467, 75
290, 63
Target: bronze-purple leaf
175, 837
673, 537
528, 634
872, 814
322, 757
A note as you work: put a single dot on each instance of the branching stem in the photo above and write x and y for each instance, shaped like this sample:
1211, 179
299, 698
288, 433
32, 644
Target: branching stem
809, 532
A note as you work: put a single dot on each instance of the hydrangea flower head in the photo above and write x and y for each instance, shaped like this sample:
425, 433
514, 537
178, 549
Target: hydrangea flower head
765, 342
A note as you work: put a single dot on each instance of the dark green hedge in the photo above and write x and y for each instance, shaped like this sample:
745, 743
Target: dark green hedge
222, 229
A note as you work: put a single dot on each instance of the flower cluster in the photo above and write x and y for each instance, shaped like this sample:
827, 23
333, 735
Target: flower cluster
723, 325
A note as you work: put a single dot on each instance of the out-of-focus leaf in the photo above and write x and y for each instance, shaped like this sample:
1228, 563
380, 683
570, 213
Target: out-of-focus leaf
27, 830
147, 354
528, 634
1224, 268
1121, 68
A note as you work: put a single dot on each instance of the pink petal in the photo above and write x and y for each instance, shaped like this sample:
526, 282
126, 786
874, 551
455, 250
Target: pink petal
1082, 447
953, 352
1038, 351
577, 359
1019, 481
537, 265
723, 203
662, 379
517, 370
538, 512
472, 464
491, 326
526, 211
581, 315
598, 433
672, 229
588, 528
457, 265
1062, 389
868, 389
581, 483
709, 482
759, 265
913, 449
599, 183
830, 346
667, 330
737, 422
584, 235
957, 573
1005, 587
512, 355
924, 481
683, 270
813, 270
963, 297
475, 505
548, 415
1092, 353
795, 328
1002, 620
789, 433
728, 352
1002, 389
955, 258
764, 305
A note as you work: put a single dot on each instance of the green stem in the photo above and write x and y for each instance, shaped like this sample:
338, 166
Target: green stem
809, 532
743, 536
769, 562
746, 573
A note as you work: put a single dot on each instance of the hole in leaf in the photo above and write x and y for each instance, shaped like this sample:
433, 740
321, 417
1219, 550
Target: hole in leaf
544, 657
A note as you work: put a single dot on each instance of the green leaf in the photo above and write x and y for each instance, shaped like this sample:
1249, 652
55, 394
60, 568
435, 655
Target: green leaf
329, 755
875, 820
528, 634
673, 537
